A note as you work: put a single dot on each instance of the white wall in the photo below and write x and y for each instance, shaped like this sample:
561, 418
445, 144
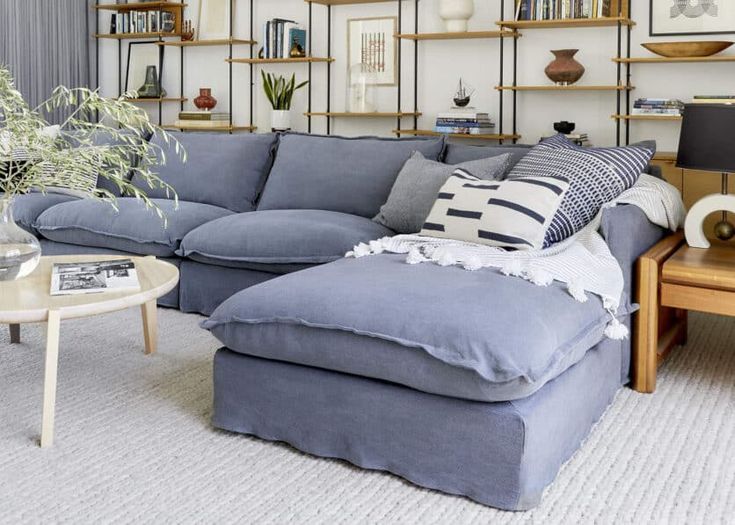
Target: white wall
441, 65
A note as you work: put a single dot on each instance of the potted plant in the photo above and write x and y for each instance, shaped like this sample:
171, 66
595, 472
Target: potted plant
69, 157
280, 94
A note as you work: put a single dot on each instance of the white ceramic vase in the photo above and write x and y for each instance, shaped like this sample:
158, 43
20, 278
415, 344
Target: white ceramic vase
281, 119
455, 14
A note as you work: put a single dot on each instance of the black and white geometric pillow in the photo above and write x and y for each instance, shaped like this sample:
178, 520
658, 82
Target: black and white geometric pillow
596, 176
509, 214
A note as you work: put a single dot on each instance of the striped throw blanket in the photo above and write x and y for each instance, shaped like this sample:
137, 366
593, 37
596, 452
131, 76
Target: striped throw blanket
583, 262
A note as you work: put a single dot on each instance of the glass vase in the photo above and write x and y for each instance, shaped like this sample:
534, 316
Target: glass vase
20, 251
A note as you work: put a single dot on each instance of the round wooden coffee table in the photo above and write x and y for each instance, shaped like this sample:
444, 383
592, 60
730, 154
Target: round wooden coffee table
29, 300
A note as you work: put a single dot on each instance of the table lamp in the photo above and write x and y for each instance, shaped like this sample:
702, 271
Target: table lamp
707, 143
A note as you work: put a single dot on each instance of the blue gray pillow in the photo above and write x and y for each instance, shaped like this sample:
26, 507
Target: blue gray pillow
596, 176
418, 183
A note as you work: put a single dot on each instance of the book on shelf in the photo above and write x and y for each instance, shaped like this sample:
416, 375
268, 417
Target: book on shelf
464, 113
538, 10
94, 277
463, 130
199, 115
465, 123
713, 99
149, 21
657, 106
204, 124
281, 37
580, 139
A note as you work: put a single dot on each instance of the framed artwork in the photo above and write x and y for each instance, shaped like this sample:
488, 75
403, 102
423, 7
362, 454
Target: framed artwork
371, 43
214, 19
691, 17
140, 56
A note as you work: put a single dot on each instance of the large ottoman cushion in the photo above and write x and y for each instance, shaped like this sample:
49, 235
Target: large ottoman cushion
349, 175
27, 208
443, 330
276, 240
131, 228
223, 170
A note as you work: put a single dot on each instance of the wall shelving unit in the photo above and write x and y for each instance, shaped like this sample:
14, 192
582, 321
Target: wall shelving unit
622, 87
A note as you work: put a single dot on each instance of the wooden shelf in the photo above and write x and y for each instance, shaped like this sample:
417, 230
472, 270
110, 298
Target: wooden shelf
346, 2
679, 60
156, 100
565, 23
221, 128
429, 133
125, 36
573, 87
376, 114
203, 43
648, 117
142, 6
458, 36
277, 60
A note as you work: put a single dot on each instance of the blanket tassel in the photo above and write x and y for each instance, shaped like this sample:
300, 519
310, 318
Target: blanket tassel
616, 330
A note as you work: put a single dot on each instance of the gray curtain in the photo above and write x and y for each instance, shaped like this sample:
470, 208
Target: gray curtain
47, 43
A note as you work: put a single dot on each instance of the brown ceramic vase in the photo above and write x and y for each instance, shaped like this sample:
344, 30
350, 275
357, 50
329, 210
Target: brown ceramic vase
564, 69
205, 101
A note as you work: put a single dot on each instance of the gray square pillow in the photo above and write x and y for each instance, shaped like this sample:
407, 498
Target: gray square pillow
418, 184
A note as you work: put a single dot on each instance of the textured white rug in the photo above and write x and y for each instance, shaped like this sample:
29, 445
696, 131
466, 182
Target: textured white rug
134, 444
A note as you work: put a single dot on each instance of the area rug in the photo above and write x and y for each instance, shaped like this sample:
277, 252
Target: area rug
134, 444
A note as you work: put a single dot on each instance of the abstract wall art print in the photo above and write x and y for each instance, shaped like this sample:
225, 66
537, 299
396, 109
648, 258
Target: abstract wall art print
692, 17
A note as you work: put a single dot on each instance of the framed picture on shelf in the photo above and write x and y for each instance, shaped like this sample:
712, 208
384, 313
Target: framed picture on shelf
138, 73
371, 45
691, 17
214, 19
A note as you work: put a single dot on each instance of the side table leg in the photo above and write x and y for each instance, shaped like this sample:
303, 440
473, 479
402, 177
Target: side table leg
14, 333
150, 326
49, 379
645, 344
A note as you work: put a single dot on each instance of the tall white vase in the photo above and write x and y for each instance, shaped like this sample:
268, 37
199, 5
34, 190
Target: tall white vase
455, 14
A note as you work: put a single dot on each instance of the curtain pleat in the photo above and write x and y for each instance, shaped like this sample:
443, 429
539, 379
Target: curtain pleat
47, 43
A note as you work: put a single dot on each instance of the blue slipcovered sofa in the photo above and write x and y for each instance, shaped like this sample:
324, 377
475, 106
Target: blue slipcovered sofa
472, 383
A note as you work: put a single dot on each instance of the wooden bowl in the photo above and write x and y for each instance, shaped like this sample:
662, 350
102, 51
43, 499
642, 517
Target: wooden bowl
687, 49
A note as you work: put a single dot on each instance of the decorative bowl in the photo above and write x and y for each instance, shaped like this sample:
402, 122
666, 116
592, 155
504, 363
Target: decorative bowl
687, 49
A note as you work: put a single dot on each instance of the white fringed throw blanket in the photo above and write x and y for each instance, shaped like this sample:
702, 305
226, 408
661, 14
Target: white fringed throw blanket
583, 262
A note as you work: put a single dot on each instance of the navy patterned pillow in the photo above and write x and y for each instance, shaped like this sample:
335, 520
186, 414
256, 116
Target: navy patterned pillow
596, 176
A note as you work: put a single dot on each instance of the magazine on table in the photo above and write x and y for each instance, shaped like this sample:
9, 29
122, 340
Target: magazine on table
94, 277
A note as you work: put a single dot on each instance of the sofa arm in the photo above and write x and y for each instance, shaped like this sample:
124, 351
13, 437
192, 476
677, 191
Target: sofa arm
629, 234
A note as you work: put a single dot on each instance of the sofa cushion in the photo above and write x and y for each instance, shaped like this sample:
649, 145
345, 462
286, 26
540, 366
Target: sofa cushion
444, 330
27, 208
279, 240
131, 228
596, 176
418, 184
458, 153
222, 170
349, 175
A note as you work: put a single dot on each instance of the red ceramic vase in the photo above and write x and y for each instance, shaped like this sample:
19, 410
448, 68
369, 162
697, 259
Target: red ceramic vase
205, 101
564, 70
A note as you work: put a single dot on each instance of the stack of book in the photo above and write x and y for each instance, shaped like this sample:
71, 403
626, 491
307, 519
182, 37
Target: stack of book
202, 119
564, 9
142, 22
464, 121
580, 139
283, 39
658, 106
713, 99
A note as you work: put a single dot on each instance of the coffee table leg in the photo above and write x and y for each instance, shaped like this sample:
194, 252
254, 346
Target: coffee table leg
14, 333
49, 378
150, 326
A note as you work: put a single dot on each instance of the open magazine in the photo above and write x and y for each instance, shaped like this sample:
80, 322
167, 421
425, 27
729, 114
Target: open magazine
94, 277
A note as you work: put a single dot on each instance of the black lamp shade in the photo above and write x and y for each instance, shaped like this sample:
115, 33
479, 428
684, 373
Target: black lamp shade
707, 140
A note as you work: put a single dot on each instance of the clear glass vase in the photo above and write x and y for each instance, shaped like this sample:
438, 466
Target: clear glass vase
20, 252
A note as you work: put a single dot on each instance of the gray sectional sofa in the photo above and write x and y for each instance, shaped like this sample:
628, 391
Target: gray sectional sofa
472, 383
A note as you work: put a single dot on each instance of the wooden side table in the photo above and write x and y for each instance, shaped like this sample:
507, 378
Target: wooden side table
673, 279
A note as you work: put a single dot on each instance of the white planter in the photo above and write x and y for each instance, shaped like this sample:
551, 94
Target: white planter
281, 119
455, 14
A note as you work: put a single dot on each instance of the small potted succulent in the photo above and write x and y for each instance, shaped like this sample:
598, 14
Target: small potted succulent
280, 94
36, 156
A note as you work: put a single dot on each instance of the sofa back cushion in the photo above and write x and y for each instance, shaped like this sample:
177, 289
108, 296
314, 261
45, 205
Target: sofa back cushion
348, 175
458, 153
222, 170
